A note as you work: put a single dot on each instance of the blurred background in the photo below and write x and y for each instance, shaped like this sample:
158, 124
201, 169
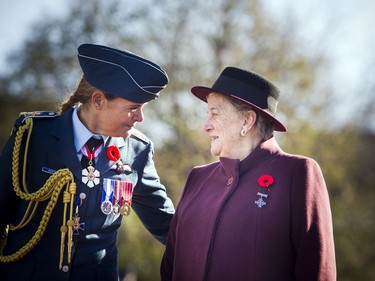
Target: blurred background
319, 53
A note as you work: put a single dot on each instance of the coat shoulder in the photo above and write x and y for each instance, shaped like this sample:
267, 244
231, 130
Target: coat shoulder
297, 158
35, 115
204, 170
136, 134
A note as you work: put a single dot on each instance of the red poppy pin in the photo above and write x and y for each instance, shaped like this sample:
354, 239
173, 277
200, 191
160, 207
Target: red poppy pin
113, 153
265, 180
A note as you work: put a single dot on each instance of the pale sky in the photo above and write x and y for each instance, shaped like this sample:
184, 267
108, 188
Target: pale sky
17, 16
344, 28
353, 34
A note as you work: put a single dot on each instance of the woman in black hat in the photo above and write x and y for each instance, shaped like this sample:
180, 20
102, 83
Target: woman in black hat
68, 179
258, 213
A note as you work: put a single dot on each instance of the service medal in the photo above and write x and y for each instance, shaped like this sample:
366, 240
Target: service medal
90, 176
77, 225
260, 202
116, 208
125, 210
107, 196
127, 194
106, 207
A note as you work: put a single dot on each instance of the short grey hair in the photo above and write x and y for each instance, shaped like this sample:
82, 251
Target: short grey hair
263, 124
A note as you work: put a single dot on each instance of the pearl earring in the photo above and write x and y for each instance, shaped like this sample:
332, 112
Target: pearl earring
243, 132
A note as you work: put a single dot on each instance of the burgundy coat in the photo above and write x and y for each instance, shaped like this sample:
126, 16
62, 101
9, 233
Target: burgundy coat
222, 231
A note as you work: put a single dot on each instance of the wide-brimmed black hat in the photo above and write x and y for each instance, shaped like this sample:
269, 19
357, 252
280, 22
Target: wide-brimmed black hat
248, 87
121, 73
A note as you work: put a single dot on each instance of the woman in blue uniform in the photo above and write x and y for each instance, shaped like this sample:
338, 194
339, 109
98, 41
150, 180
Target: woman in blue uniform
68, 179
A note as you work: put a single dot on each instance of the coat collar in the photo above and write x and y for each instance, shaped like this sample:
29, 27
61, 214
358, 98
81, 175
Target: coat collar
233, 168
259, 154
64, 143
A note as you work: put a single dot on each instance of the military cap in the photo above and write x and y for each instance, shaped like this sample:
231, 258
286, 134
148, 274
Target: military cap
121, 73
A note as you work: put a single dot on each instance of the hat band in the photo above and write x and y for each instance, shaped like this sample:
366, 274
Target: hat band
236, 88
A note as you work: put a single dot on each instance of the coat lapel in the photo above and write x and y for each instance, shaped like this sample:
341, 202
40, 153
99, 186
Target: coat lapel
104, 164
64, 146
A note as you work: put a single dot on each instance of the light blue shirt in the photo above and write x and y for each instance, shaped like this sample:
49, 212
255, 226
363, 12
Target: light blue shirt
82, 134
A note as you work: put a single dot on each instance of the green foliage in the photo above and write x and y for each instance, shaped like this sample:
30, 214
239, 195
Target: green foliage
194, 40
10, 109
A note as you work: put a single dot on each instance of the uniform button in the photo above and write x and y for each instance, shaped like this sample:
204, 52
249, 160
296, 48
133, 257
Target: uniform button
82, 196
65, 268
230, 180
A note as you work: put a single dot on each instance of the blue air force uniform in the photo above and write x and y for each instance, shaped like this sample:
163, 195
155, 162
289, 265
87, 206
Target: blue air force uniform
51, 148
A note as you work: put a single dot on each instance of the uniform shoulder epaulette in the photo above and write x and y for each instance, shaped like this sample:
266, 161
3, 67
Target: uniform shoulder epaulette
38, 114
33, 114
139, 135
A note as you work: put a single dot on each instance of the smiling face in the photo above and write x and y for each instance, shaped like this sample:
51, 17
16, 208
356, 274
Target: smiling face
223, 125
119, 116
110, 116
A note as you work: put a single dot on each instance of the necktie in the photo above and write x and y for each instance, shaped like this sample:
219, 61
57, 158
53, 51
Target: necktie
90, 152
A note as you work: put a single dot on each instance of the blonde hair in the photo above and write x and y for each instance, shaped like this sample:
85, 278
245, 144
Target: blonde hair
81, 95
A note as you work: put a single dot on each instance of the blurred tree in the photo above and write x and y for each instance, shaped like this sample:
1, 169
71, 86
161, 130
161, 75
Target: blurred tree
354, 188
194, 41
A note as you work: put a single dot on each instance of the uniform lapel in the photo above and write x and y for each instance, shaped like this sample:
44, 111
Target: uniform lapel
64, 146
104, 164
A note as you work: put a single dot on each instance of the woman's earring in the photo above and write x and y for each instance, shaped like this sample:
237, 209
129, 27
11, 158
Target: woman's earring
243, 132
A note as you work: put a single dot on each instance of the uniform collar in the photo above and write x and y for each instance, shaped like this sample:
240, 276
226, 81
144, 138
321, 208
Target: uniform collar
81, 133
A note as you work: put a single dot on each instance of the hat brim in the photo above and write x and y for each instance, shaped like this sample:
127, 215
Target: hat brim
202, 92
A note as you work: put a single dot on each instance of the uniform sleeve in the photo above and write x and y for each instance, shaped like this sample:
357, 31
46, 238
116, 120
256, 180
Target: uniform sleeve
150, 201
312, 225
